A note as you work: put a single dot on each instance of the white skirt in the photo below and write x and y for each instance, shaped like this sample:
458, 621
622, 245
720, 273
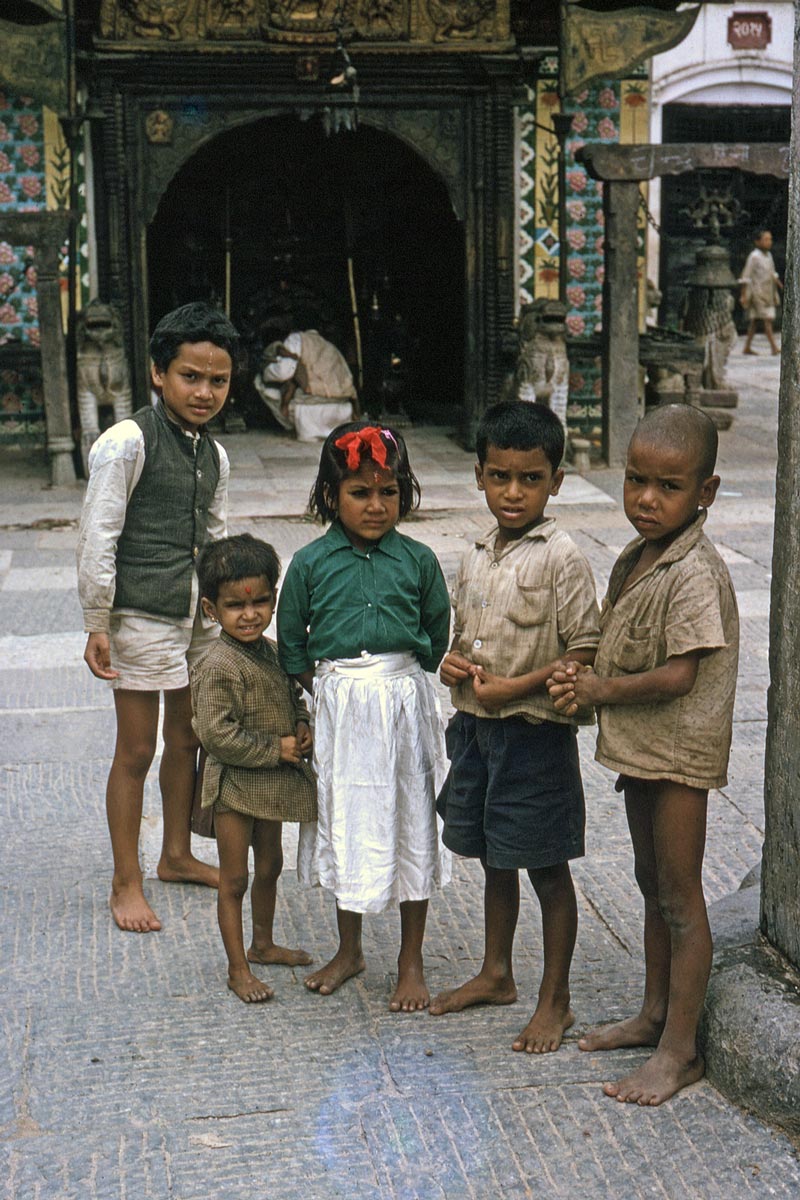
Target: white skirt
380, 759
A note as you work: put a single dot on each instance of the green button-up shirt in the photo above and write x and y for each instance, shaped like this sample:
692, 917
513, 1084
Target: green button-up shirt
336, 601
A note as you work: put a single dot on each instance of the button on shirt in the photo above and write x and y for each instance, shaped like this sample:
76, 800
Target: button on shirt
521, 609
337, 601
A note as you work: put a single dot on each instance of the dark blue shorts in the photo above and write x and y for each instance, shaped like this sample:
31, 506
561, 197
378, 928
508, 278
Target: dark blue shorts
514, 796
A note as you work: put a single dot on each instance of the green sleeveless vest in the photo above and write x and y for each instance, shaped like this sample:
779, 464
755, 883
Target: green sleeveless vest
166, 523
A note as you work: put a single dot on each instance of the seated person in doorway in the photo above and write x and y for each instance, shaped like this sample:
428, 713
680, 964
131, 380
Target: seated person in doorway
307, 385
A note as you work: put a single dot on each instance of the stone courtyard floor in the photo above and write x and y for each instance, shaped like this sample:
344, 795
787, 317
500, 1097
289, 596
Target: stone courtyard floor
129, 1071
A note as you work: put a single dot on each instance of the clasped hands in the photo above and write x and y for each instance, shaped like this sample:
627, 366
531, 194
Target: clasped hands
491, 691
296, 747
571, 685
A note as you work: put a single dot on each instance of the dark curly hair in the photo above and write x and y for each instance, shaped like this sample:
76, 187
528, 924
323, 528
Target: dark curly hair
234, 558
333, 470
519, 425
195, 322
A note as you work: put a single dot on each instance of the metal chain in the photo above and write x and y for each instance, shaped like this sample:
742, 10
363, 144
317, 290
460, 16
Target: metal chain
648, 215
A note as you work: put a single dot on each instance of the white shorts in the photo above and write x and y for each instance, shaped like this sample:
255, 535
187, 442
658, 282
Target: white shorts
153, 655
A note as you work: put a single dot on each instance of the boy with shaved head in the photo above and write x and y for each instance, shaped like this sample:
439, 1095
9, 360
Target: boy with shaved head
663, 682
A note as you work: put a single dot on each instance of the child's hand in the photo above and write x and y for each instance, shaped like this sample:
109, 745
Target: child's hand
97, 656
561, 686
571, 686
455, 669
290, 750
305, 742
491, 691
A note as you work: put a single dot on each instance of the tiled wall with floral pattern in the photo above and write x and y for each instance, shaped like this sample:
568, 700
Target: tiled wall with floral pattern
34, 175
613, 111
22, 188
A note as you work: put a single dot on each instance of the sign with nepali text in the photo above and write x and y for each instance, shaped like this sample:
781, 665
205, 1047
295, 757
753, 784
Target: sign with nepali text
749, 30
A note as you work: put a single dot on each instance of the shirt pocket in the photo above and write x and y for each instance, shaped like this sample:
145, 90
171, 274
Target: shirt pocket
530, 605
635, 648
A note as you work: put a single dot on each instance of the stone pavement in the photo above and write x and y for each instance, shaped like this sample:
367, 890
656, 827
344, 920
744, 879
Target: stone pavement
127, 1068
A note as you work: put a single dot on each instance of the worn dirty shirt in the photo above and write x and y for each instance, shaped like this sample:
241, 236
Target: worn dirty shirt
244, 703
337, 601
520, 609
684, 602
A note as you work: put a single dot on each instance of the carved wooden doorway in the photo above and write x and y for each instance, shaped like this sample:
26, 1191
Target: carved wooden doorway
308, 222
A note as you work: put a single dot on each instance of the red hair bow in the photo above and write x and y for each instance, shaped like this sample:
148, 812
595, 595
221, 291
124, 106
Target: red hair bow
360, 441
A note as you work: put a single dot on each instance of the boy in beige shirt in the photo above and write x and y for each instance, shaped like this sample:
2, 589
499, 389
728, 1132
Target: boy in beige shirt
524, 598
664, 682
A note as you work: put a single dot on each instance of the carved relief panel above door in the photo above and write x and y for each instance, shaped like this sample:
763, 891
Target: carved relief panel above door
463, 24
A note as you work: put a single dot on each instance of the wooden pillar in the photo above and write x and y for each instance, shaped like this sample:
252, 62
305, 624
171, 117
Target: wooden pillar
621, 408
780, 875
60, 444
474, 247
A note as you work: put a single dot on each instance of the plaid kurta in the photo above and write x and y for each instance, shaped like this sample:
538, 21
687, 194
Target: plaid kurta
244, 703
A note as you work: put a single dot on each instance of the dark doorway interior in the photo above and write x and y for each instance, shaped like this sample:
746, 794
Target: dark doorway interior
302, 213
763, 199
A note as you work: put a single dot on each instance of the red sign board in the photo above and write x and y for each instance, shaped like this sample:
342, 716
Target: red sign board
750, 30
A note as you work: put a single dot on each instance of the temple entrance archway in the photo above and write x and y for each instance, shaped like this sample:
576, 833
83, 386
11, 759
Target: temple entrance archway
290, 224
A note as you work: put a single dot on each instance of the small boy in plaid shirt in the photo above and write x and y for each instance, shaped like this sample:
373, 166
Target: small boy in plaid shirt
253, 723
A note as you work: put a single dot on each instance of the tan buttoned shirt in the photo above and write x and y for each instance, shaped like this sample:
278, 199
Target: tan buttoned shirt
521, 609
244, 703
684, 602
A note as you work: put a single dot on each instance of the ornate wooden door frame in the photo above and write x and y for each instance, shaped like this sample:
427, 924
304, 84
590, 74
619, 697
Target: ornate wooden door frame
456, 114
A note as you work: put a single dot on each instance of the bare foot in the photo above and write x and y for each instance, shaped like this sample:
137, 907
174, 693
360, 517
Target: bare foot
411, 993
637, 1031
279, 955
248, 988
746, 351
483, 989
661, 1077
131, 911
545, 1030
188, 870
330, 977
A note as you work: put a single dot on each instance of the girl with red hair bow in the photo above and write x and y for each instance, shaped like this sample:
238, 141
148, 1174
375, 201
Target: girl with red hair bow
364, 614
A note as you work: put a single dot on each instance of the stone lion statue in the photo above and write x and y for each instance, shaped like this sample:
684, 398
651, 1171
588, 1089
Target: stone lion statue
542, 370
102, 370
